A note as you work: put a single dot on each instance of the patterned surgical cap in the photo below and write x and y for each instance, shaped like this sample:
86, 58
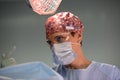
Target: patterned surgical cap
63, 22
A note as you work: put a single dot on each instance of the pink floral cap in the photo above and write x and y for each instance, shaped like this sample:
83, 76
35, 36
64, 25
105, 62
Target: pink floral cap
63, 22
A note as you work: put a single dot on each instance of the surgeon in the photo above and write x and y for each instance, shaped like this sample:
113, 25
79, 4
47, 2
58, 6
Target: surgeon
64, 33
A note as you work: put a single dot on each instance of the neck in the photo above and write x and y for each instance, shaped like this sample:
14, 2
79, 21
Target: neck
81, 62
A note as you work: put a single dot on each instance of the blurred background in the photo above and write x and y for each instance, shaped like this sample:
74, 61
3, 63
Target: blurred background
22, 31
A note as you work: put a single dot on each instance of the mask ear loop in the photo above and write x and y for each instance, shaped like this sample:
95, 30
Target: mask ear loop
75, 43
67, 38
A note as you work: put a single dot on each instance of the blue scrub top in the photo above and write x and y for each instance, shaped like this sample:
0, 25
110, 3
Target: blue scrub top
95, 71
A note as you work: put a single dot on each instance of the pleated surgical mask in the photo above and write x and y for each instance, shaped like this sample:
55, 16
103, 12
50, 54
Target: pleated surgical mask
63, 53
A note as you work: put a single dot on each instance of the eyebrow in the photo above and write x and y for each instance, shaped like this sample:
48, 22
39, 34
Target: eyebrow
61, 34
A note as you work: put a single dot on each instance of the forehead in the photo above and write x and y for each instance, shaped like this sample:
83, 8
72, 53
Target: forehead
58, 34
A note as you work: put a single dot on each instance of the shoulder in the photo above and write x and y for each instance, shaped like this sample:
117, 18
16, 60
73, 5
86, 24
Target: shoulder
109, 69
105, 66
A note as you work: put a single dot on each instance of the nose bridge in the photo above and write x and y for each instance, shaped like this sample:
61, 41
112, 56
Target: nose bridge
54, 42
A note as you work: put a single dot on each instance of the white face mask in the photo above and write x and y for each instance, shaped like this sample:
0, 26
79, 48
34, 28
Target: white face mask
63, 53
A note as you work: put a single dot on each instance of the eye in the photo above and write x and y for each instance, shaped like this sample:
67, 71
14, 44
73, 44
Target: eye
49, 42
60, 39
